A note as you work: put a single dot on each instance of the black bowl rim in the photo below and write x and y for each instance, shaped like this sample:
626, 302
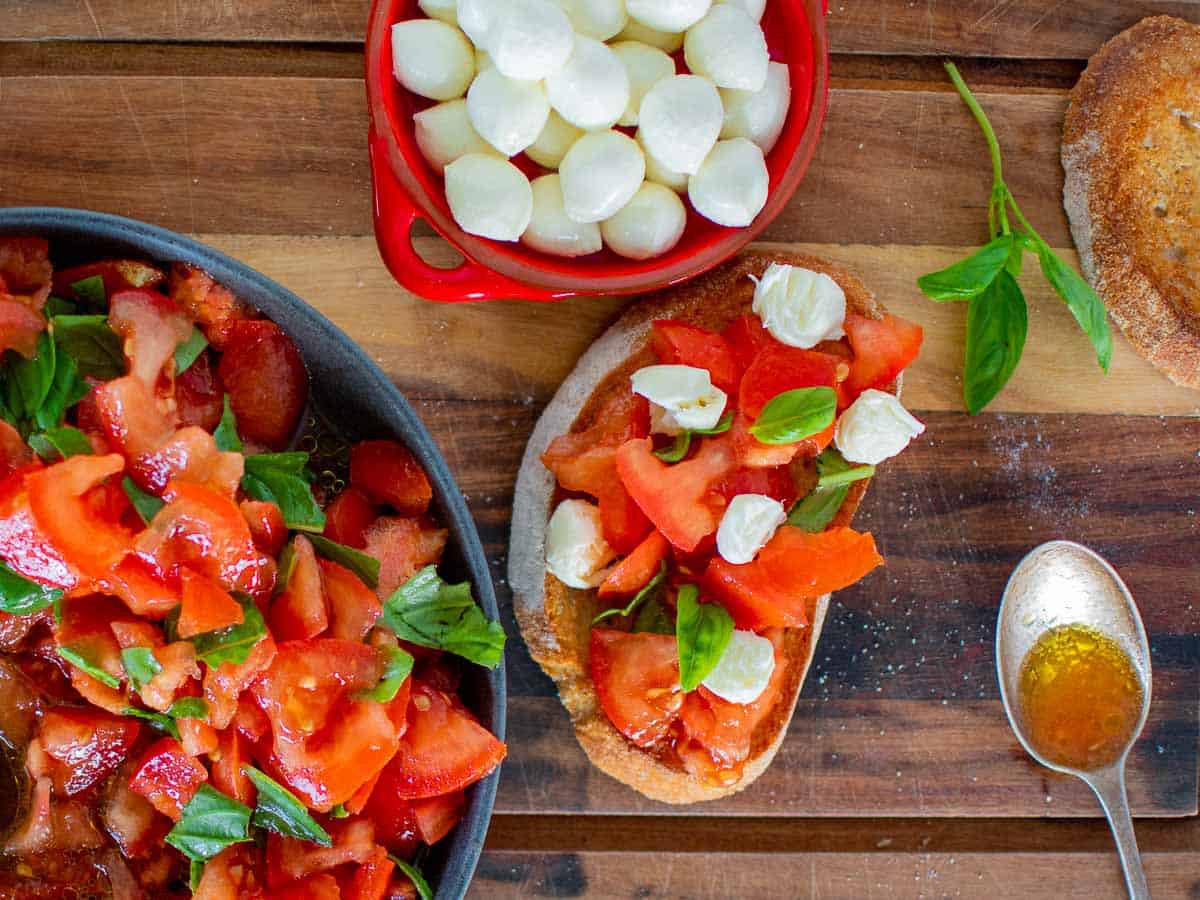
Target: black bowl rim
278, 302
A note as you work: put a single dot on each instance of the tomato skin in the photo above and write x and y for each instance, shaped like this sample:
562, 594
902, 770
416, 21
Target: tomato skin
678, 343
636, 570
139, 583
636, 677
168, 777
267, 528
24, 545
55, 495
395, 820
370, 880
14, 452
388, 473
402, 546
198, 738
776, 482
199, 394
746, 337
150, 326
87, 744
348, 517
25, 268
210, 305
779, 368
178, 661
130, 417
191, 455
289, 859
883, 348
233, 874
314, 887
206, 606
20, 327
266, 381
233, 752
793, 568
224, 684
353, 606
437, 816
300, 611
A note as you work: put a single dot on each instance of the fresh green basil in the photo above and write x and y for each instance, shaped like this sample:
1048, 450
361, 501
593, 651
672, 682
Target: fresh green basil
968, 277
281, 478
427, 611
61, 442
21, 597
66, 389
140, 664
339, 812
211, 822
398, 667
277, 809
364, 566
833, 470
413, 874
91, 291
195, 874
77, 656
189, 708
57, 306
29, 380
94, 346
226, 434
183, 708
159, 721
654, 618
234, 643
794, 415
683, 441
147, 505
188, 351
816, 511
1085, 306
702, 632
652, 588
997, 321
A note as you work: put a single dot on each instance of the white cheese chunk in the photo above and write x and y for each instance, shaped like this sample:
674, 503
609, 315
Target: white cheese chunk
875, 427
592, 89
800, 307
599, 19
645, 66
476, 18
667, 15
553, 143
755, 8
576, 552
730, 187
446, 10
551, 230
432, 59
648, 225
685, 392
444, 133
666, 41
749, 522
507, 113
532, 40
489, 196
758, 115
728, 48
679, 120
600, 174
744, 669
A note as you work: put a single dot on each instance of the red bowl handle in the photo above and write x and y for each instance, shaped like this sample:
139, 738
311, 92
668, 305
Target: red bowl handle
395, 214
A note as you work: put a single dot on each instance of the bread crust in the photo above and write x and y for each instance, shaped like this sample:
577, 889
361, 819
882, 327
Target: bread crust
556, 620
1131, 154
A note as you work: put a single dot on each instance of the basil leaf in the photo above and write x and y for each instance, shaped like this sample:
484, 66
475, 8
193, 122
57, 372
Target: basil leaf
60, 442
187, 352
399, 666
29, 380
997, 322
210, 823
651, 587
427, 611
195, 873
189, 708
794, 415
1016, 258
339, 812
968, 277
91, 291
77, 656
678, 450
280, 478
234, 643
226, 434
159, 721
1085, 306
94, 346
140, 665
66, 389
279, 810
413, 874
654, 618
832, 469
147, 505
57, 306
816, 511
21, 597
702, 632
361, 564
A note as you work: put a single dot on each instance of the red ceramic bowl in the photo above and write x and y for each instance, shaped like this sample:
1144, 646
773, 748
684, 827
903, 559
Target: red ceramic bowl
407, 189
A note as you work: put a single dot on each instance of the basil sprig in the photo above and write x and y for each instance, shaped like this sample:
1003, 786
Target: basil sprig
794, 415
141, 665
233, 643
147, 505
683, 441
833, 470
282, 479
210, 822
21, 597
413, 874
652, 588
702, 632
278, 809
398, 667
361, 564
427, 611
997, 316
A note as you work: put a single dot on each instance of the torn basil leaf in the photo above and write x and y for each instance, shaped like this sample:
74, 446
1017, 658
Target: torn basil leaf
281, 479
21, 597
364, 566
702, 632
210, 822
651, 588
427, 611
140, 664
398, 667
232, 644
278, 809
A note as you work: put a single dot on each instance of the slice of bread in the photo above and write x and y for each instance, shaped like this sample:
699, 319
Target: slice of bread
1131, 151
556, 620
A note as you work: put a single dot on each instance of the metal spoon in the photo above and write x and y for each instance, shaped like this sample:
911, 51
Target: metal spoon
1063, 583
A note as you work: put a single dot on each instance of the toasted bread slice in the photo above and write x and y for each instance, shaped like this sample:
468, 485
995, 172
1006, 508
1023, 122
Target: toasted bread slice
1131, 151
556, 620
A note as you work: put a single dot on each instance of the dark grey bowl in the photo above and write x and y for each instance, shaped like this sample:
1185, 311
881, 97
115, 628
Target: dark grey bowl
351, 393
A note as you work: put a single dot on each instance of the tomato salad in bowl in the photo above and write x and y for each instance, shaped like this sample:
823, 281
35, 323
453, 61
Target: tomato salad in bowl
225, 676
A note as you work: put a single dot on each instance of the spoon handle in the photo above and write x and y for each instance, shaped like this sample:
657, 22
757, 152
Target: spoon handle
1109, 787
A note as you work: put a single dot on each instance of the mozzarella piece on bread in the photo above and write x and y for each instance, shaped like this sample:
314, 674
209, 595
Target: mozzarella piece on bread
799, 307
576, 552
749, 522
685, 394
744, 669
875, 427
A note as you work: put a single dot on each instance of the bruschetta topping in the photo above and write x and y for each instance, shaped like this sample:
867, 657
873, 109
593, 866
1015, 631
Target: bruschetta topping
799, 307
875, 427
749, 523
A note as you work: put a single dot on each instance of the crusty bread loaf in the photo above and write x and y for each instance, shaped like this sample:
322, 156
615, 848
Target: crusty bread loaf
556, 620
1131, 151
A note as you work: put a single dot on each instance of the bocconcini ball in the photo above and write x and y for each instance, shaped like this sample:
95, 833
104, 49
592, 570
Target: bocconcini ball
475, 17
645, 66
507, 113
758, 116
489, 196
599, 19
432, 59
649, 225
446, 10
531, 40
600, 173
592, 90
553, 143
753, 8
728, 48
666, 41
660, 174
667, 15
679, 121
731, 187
551, 230
444, 133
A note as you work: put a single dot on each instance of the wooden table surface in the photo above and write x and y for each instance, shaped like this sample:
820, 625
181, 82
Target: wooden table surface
244, 122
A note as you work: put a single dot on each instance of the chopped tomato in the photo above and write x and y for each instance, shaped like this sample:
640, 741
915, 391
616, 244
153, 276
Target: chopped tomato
443, 750
676, 498
24, 545
353, 607
150, 326
199, 394
687, 345
779, 368
307, 680
389, 474
225, 683
233, 752
746, 336
139, 583
437, 816
634, 572
266, 381
168, 777
267, 527
753, 453
250, 720
370, 879
314, 887
793, 568
128, 817
55, 494
84, 627
87, 744
882, 350
178, 661
130, 416
233, 874
206, 606
637, 679
14, 452
198, 738
289, 859
20, 327
348, 517
594, 471
25, 268
117, 275
137, 634
97, 693
190, 455
776, 482
402, 546
300, 611
210, 305
624, 416
395, 820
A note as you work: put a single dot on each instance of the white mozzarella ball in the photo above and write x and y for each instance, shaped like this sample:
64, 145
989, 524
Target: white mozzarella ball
660, 174
728, 48
446, 10
798, 306
600, 173
592, 90
744, 669
875, 427
666, 41
749, 522
444, 133
599, 19
685, 395
489, 196
507, 113
645, 66
432, 59
731, 186
476, 18
753, 8
553, 143
679, 121
531, 40
758, 115
576, 551
648, 225
668, 15
550, 230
